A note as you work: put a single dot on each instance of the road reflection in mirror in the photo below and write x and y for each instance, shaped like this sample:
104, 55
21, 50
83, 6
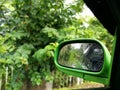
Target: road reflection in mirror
86, 56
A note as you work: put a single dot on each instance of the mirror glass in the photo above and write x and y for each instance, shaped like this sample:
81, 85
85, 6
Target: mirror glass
86, 56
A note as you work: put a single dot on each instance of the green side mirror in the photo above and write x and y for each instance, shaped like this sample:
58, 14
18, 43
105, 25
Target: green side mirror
85, 58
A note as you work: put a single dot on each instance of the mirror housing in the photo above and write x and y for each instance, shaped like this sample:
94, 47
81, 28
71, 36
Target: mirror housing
101, 76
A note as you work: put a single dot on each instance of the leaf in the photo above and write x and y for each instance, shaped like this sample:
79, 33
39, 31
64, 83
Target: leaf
2, 60
25, 50
39, 55
49, 47
50, 32
24, 60
18, 34
8, 61
3, 49
36, 78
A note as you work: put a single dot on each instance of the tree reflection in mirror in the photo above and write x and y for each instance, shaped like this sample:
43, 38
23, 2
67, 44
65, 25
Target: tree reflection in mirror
86, 56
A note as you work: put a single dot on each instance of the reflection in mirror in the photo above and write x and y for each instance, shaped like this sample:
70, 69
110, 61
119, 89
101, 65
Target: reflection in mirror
86, 56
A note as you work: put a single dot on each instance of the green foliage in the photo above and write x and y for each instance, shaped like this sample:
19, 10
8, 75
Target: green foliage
94, 30
44, 57
37, 23
36, 78
21, 55
29, 32
12, 61
46, 53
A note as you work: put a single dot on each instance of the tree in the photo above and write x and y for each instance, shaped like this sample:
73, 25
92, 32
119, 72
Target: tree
33, 28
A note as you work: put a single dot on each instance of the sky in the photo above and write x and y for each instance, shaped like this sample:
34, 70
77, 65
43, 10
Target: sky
86, 10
